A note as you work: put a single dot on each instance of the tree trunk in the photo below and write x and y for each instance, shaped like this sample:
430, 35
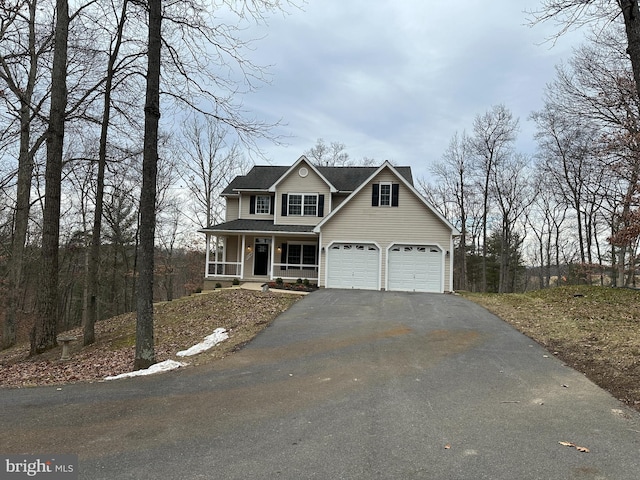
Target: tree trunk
94, 257
463, 232
631, 15
44, 331
485, 216
145, 355
23, 193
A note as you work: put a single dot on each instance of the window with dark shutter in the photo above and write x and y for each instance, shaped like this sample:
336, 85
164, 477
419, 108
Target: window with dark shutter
285, 204
252, 204
272, 205
395, 192
385, 194
321, 205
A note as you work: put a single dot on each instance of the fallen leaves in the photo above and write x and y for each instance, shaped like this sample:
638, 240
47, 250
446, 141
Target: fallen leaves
573, 445
178, 325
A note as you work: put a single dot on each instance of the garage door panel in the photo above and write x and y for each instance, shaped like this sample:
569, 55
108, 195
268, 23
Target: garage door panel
353, 265
415, 268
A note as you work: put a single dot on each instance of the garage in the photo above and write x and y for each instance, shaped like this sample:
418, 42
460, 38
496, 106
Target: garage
415, 268
353, 265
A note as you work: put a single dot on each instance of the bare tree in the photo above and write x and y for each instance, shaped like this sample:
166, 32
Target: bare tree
493, 135
513, 197
45, 328
588, 132
94, 258
169, 222
565, 147
145, 353
571, 13
208, 164
545, 221
19, 70
332, 155
453, 173
185, 69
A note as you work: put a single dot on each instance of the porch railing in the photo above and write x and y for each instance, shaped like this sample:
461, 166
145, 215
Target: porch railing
224, 269
280, 270
288, 271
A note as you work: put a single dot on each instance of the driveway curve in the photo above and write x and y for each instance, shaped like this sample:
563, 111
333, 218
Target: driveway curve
344, 385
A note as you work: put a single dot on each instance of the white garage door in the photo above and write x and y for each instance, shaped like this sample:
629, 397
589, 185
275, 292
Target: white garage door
353, 265
415, 268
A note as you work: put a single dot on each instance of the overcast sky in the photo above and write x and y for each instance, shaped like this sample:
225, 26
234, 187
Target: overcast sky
396, 79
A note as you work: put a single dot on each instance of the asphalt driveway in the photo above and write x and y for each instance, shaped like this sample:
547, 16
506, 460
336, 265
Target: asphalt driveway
344, 385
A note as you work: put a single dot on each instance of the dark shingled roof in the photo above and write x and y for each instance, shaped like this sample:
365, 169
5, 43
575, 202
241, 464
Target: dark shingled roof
258, 178
243, 225
345, 179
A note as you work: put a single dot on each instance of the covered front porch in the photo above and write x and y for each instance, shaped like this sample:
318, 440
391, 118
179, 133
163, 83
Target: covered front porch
261, 256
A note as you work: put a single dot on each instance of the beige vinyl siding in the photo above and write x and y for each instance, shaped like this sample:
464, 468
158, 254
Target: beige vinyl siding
409, 223
232, 249
231, 212
294, 183
336, 200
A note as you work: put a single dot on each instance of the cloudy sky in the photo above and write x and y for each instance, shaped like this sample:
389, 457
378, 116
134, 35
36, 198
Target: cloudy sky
395, 79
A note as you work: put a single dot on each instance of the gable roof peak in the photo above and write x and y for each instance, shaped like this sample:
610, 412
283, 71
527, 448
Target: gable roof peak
303, 159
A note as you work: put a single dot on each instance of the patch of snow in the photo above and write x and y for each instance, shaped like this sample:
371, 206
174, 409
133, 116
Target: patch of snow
218, 335
155, 368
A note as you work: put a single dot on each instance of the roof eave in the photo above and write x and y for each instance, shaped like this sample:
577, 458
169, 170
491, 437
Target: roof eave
261, 232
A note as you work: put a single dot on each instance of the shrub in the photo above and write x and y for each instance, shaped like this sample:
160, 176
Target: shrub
299, 281
279, 281
236, 281
306, 282
218, 285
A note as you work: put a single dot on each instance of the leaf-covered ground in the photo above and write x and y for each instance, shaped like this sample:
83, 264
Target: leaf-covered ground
596, 330
178, 325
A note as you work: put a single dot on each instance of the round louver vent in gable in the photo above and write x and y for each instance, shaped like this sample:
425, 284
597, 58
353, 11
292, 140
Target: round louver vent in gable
303, 172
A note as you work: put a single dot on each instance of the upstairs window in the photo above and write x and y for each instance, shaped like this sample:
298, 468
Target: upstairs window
385, 194
295, 204
261, 204
303, 204
311, 205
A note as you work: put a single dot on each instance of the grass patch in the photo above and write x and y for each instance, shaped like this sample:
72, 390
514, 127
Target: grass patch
596, 330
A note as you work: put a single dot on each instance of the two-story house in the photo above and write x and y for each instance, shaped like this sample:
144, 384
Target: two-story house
342, 227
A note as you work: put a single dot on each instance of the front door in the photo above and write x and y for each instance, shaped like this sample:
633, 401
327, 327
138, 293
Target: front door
261, 259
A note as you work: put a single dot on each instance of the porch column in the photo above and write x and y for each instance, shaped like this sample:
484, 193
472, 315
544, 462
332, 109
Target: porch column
244, 239
273, 255
207, 250
451, 264
320, 248
224, 258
